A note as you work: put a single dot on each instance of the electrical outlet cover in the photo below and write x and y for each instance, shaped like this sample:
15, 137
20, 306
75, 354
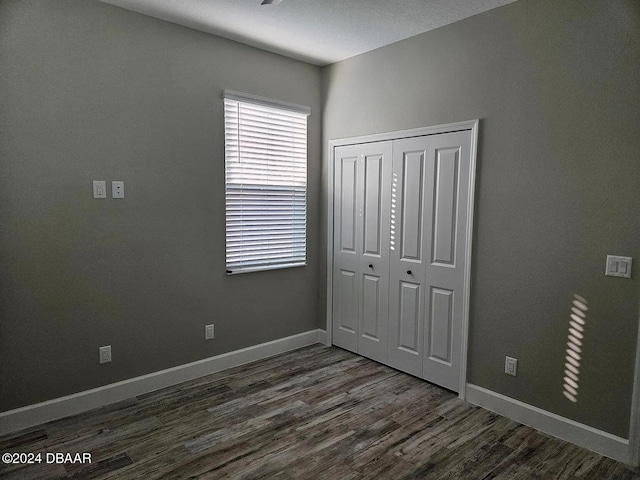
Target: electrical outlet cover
208, 332
117, 189
105, 354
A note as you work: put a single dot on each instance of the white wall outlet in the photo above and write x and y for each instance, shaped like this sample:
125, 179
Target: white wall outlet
510, 366
208, 332
105, 354
618, 266
117, 189
99, 189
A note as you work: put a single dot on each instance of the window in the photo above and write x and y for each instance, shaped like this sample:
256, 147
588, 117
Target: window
266, 183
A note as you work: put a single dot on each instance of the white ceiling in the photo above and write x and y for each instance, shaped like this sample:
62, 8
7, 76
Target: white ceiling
316, 31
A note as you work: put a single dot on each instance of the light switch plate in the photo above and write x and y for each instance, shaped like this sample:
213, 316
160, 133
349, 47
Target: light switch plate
618, 266
511, 366
99, 189
208, 332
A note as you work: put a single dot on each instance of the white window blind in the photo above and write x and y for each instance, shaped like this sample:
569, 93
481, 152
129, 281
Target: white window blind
266, 183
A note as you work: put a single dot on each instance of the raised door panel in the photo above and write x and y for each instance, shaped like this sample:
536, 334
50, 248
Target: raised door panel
373, 181
345, 314
409, 318
443, 231
448, 160
411, 186
406, 325
440, 325
374, 262
371, 328
347, 304
347, 214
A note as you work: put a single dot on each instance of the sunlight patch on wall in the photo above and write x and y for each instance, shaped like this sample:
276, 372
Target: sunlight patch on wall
394, 196
575, 337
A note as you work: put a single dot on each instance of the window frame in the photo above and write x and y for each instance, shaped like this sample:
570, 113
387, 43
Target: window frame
285, 108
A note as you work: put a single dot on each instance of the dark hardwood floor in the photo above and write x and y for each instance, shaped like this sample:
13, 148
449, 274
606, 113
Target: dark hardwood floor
315, 413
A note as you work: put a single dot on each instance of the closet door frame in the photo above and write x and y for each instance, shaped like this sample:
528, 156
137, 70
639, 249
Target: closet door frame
470, 125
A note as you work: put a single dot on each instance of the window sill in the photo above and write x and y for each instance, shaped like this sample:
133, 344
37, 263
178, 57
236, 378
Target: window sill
264, 268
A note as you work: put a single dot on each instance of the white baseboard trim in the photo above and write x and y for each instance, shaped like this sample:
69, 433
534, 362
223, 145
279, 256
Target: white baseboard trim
39, 413
552, 424
323, 338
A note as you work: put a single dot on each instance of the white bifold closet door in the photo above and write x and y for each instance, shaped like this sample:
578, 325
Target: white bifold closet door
431, 182
400, 238
361, 248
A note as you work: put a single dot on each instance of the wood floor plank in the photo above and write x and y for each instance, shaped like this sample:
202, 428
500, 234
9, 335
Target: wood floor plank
340, 471
314, 413
39, 471
529, 448
479, 463
609, 469
563, 461
26, 438
387, 466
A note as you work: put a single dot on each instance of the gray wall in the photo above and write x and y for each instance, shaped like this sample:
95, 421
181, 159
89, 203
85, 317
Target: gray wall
557, 88
89, 92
